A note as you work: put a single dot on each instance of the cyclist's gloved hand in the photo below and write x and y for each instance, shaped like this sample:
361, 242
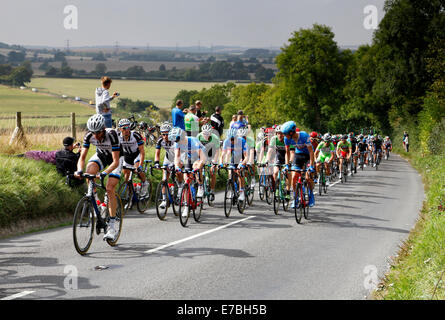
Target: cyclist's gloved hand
231, 167
103, 174
157, 165
294, 167
311, 169
177, 169
139, 169
221, 165
286, 167
241, 166
78, 173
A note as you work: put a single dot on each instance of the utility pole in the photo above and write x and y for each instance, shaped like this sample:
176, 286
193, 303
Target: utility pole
116, 48
67, 46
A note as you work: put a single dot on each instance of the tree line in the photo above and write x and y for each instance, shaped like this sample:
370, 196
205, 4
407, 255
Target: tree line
393, 84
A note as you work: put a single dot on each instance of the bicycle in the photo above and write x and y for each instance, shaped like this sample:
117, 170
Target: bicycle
280, 192
206, 185
130, 191
248, 189
362, 159
188, 198
171, 197
378, 159
87, 211
265, 186
344, 176
301, 197
322, 187
231, 193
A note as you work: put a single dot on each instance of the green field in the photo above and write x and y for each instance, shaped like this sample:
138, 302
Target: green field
38, 109
161, 93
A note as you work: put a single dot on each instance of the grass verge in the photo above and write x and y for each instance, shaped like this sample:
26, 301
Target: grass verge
418, 271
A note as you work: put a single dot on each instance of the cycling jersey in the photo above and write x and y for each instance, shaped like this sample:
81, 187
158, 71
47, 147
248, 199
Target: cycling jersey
325, 151
353, 142
344, 146
169, 150
105, 147
377, 144
130, 147
362, 146
236, 147
210, 145
191, 123
300, 145
189, 150
279, 150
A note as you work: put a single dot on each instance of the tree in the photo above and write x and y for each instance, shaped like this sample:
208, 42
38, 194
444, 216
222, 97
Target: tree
100, 69
162, 67
21, 75
135, 71
99, 57
311, 73
59, 56
185, 96
16, 56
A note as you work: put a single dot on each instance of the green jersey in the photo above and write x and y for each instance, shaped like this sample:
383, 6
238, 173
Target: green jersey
326, 148
344, 146
191, 122
211, 144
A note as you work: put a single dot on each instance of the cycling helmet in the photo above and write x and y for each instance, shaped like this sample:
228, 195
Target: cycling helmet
314, 134
278, 129
165, 127
327, 137
344, 137
133, 125
207, 128
124, 123
96, 123
288, 127
176, 134
386, 138
379, 137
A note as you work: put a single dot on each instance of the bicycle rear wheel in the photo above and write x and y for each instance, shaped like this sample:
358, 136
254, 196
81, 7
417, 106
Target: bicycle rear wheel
269, 190
83, 225
117, 222
276, 197
161, 213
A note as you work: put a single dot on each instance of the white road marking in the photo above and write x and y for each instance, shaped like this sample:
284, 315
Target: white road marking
197, 235
18, 295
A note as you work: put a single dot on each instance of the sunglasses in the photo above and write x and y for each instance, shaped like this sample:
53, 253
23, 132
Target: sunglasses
164, 134
125, 128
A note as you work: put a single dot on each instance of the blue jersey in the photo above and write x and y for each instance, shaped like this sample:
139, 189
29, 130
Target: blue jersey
236, 148
190, 150
239, 124
301, 145
178, 118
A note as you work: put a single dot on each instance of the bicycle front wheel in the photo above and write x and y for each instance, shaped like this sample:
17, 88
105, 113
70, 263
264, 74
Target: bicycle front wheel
198, 211
83, 225
144, 202
161, 213
125, 192
185, 205
117, 222
298, 206
228, 199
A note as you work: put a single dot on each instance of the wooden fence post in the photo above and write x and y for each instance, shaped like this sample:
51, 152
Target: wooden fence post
18, 136
73, 125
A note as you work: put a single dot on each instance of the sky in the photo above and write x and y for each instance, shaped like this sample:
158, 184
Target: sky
245, 23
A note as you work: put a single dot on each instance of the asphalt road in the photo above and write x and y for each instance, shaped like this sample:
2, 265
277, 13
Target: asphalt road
336, 254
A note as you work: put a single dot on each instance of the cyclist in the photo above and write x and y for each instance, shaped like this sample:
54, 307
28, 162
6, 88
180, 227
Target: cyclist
387, 145
189, 153
169, 159
234, 152
277, 149
211, 143
133, 152
250, 142
362, 147
377, 147
354, 147
325, 154
344, 151
108, 153
302, 154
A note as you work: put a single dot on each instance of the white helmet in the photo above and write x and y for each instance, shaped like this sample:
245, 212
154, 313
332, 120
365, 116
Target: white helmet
176, 134
96, 123
207, 128
124, 123
278, 129
165, 127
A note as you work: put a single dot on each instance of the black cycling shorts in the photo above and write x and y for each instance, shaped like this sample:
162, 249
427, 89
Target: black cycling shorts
301, 159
